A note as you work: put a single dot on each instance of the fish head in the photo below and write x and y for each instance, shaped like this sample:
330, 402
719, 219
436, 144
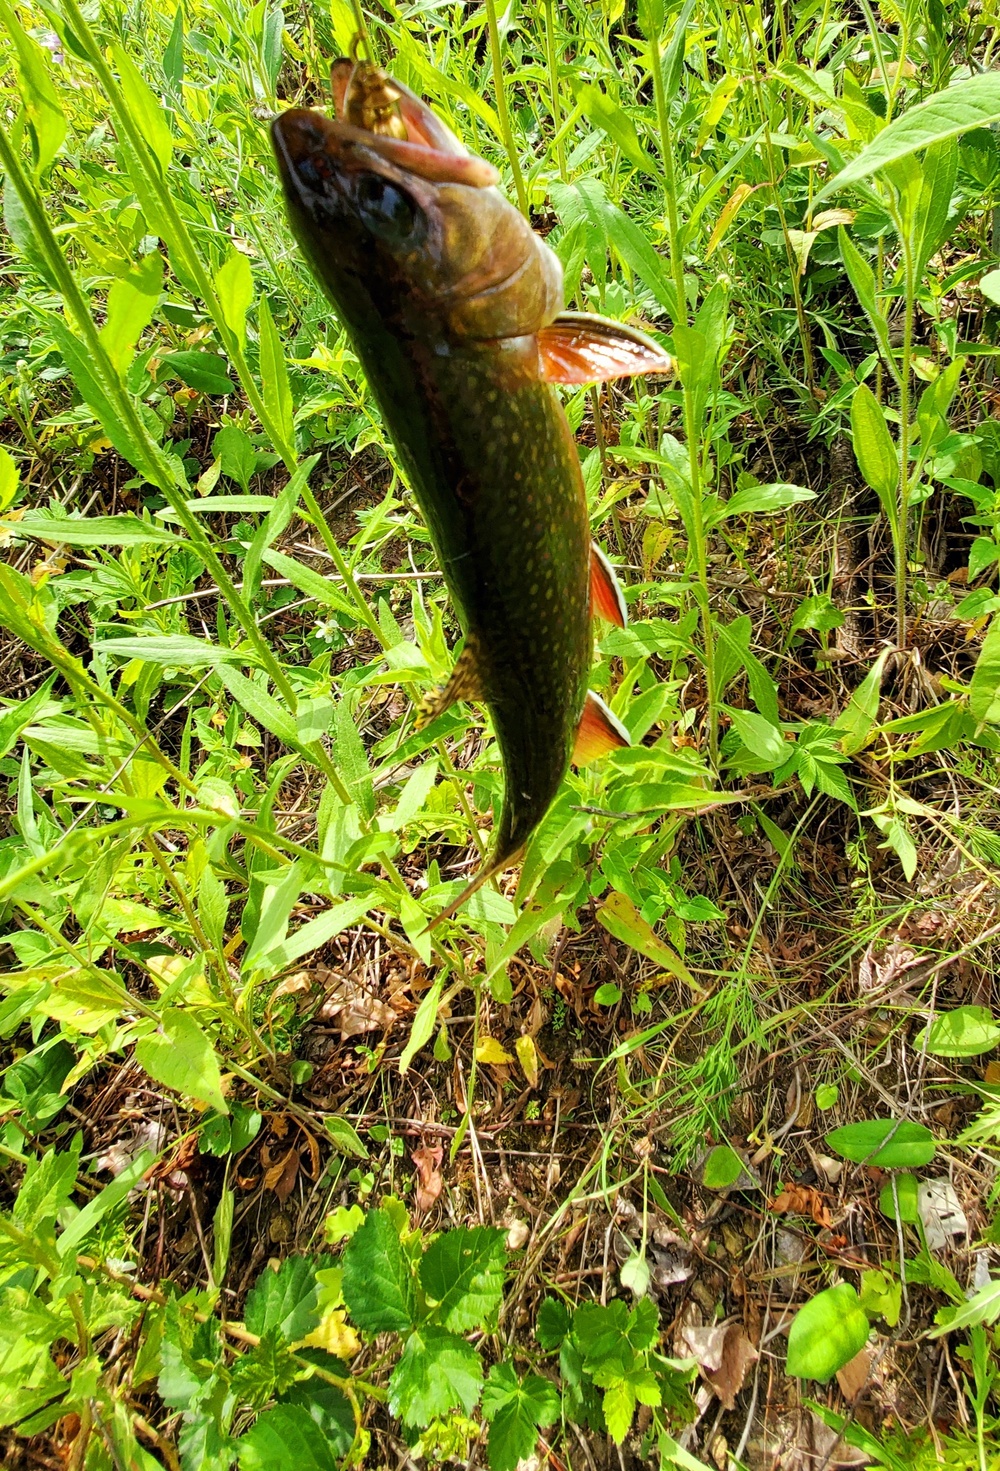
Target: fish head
397, 218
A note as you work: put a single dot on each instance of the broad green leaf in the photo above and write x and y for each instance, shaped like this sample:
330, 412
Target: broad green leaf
204, 371
763, 739
516, 1410
552, 1323
353, 759
97, 531
319, 931
179, 650
618, 1405
857, 719
826, 1334
722, 1168
462, 1272
881, 1296
180, 1056
438, 1373
989, 285
309, 581
95, 394
902, 1199
84, 1001
275, 909
233, 284
144, 109
329, 1407
378, 1284
103, 1203
287, 1435
173, 56
274, 375
10, 478
973, 103
131, 302
620, 918
892, 1144
762, 499
984, 690
968, 1031
285, 1300
876, 454
982, 1307
40, 98
345, 1138
47, 1186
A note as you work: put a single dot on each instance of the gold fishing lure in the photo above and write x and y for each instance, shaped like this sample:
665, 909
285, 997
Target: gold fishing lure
370, 99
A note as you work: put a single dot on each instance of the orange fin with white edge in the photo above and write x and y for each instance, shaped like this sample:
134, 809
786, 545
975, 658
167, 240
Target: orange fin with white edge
598, 732
606, 596
579, 347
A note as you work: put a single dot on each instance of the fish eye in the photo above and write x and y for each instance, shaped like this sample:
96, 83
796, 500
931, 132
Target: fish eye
386, 211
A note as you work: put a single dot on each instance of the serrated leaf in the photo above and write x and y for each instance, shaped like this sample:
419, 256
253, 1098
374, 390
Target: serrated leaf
516, 1410
552, 1323
284, 1300
180, 1056
462, 1272
438, 1372
378, 1285
334, 1335
286, 1435
892, 1144
618, 1405
826, 1334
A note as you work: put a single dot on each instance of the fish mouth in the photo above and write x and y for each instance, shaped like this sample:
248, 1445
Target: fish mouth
418, 144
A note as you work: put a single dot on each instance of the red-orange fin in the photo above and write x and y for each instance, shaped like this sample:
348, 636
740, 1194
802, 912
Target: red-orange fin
606, 596
579, 347
598, 732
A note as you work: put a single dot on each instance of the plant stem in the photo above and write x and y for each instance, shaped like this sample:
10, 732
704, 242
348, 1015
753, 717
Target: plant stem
550, 60
502, 113
905, 437
697, 530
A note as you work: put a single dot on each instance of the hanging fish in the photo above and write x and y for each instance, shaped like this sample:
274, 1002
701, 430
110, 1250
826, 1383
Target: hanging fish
454, 308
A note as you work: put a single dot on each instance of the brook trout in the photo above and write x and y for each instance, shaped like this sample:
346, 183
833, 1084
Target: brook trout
454, 308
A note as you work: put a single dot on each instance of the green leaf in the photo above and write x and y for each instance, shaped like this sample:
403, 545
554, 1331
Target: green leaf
462, 1272
275, 907
855, 722
286, 1435
378, 1284
40, 98
904, 1197
260, 705
180, 1056
95, 393
984, 690
762, 498
353, 759
204, 371
516, 1410
438, 1373
131, 302
968, 1031
284, 1300
97, 531
761, 738
47, 1186
328, 1406
989, 285
826, 1334
722, 1168
322, 929
620, 918
605, 114
345, 1138
892, 1144
10, 478
552, 1323
876, 454
973, 103
233, 284
423, 1023
618, 1405
274, 375
177, 649
144, 108
862, 278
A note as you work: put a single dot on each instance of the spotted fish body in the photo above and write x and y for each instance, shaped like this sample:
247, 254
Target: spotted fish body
452, 305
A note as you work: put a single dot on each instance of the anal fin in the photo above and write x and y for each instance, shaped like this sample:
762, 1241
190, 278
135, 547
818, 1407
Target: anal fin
606, 596
598, 732
464, 683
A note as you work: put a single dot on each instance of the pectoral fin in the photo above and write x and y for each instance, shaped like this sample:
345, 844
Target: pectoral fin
606, 596
598, 732
581, 348
465, 683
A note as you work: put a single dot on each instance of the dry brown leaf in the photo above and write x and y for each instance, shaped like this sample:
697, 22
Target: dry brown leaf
352, 1007
802, 1200
881, 967
430, 1181
281, 1176
724, 1354
853, 1377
